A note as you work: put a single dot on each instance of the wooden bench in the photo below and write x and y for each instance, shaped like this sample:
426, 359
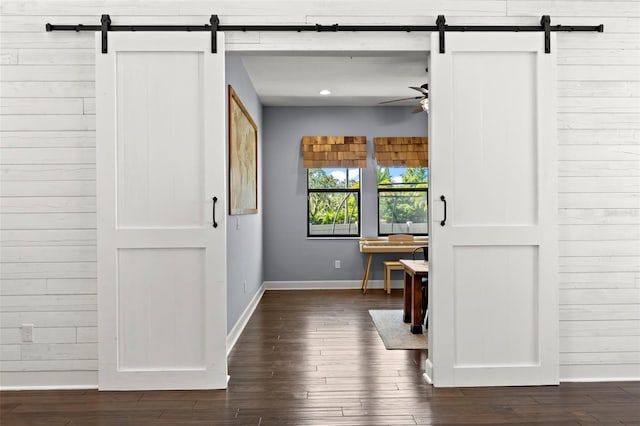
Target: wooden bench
390, 265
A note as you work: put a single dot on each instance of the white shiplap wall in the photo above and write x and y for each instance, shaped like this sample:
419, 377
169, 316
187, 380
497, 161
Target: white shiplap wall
47, 166
47, 207
599, 188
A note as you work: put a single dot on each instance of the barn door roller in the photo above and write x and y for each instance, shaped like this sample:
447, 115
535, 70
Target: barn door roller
441, 24
545, 21
215, 23
545, 25
104, 27
441, 28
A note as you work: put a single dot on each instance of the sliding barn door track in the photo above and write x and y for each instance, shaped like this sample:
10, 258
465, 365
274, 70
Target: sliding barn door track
440, 27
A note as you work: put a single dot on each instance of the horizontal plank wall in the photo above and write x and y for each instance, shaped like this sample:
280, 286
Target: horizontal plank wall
599, 185
47, 166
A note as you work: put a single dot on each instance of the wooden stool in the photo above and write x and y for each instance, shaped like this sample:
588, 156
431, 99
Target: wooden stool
390, 265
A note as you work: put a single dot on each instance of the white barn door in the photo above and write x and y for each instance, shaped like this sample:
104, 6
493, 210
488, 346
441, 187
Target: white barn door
161, 262
494, 303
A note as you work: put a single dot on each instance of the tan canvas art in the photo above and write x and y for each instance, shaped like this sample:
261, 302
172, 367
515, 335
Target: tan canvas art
243, 158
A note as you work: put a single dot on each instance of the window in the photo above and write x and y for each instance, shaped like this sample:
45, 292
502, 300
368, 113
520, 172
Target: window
333, 202
402, 200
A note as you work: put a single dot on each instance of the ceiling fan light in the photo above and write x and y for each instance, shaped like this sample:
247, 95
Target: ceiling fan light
424, 104
325, 92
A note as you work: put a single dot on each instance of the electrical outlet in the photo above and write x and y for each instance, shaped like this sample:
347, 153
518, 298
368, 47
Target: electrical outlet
27, 332
337, 264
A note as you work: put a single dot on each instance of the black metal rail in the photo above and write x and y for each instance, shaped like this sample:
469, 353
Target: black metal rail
441, 27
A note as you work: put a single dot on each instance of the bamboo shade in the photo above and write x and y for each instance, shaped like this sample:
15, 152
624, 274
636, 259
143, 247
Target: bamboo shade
334, 151
402, 152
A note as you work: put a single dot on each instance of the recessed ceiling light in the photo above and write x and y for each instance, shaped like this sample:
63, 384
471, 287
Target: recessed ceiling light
325, 92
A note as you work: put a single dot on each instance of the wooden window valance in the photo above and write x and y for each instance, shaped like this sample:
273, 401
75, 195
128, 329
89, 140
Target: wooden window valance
402, 152
334, 151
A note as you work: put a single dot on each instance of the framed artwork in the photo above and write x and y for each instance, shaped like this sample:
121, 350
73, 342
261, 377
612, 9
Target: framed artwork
243, 158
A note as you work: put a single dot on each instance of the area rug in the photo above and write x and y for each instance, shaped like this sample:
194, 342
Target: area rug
394, 333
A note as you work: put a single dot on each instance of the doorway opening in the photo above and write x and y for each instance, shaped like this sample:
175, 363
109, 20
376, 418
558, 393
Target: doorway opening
289, 85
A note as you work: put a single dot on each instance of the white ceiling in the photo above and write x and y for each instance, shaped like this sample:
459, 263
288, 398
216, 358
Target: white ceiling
288, 80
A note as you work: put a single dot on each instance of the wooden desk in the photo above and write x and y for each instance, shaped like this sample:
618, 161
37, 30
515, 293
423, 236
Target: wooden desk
387, 245
414, 270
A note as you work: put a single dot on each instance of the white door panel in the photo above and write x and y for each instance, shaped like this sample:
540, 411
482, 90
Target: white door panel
153, 121
175, 338
160, 161
515, 291
493, 273
500, 201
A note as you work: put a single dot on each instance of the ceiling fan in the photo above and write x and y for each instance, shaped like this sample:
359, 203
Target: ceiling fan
423, 103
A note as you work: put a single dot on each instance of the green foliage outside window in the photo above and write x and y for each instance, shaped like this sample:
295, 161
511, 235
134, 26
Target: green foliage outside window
402, 200
333, 202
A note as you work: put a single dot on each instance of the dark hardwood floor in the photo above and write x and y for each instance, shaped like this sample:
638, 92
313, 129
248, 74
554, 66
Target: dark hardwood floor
314, 358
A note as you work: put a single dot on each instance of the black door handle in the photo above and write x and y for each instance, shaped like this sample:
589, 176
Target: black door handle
442, 222
215, 224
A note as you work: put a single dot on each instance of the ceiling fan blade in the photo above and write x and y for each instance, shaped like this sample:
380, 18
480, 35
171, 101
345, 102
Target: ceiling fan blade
422, 89
398, 100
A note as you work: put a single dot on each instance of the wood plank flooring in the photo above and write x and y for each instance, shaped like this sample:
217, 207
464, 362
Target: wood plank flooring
314, 358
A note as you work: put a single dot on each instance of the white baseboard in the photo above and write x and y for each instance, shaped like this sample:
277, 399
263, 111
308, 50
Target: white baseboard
428, 371
328, 285
236, 331
38, 388
600, 373
48, 380
601, 379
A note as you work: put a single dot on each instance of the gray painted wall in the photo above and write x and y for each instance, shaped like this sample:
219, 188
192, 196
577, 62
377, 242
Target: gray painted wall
288, 254
244, 232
